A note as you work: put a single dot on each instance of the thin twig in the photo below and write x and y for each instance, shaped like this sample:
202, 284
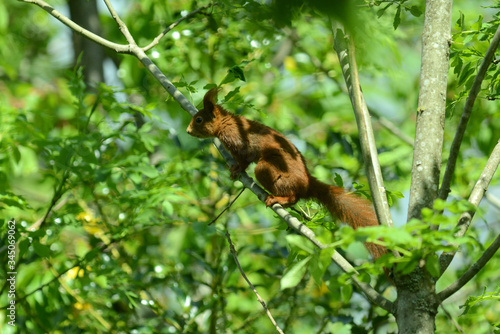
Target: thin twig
156, 40
471, 272
259, 298
227, 207
464, 119
474, 198
391, 127
495, 201
453, 321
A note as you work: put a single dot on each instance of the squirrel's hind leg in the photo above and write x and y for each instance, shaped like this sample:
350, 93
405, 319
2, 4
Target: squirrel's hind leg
285, 186
285, 201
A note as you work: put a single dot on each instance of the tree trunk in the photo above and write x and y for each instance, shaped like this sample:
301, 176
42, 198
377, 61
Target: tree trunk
84, 13
417, 304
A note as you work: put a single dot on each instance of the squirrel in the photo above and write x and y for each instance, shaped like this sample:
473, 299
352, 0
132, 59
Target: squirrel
280, 167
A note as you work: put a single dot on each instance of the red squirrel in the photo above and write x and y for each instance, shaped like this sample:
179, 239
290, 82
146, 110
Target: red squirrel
280, 168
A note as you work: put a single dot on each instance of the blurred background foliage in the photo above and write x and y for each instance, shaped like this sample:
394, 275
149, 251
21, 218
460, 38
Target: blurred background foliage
112, 199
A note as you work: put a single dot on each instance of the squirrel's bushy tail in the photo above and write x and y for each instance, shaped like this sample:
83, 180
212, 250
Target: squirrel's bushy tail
349, 208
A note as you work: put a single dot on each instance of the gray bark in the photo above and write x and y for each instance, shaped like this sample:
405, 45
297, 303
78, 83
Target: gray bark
417, 301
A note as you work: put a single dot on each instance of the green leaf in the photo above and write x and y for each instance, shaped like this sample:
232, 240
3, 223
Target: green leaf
406, 267
338, 180
232, 93
415, 11
464, 75
209, 86
16, 153
460, 24
131, 296
235, 73
40, 249
432, 265
397, 18
478, 24
148, 171
320, 263
90, 255
10, 199
101, 281
346, 292
294, 275
300, 242
381, 11
168, 208
23, 247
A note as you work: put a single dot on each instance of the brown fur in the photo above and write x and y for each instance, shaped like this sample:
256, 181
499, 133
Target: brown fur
280, 168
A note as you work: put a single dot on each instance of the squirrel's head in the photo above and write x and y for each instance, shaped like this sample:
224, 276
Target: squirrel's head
206, 121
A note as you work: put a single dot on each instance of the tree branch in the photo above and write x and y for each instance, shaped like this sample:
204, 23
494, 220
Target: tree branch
474, 198
123, 28
344, 47
471, 272
464, 119
247, 181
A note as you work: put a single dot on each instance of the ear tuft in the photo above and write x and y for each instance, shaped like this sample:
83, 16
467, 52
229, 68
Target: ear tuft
210, 99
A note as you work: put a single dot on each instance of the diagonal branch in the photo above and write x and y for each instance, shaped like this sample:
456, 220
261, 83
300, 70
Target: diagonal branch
474, 198
471, 272
390, 126
344, 47
464, 119
247, 181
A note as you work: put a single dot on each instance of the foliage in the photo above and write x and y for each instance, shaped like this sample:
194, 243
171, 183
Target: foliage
112, 199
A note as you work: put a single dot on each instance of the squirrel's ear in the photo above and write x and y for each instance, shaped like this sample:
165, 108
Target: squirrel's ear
210, 99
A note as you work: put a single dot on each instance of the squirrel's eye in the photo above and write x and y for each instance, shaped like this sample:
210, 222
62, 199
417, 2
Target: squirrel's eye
199, 119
